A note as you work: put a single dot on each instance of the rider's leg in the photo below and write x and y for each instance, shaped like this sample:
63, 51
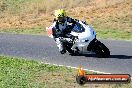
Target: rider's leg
60, 46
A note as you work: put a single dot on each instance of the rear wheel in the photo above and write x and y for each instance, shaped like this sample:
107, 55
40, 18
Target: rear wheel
68, 48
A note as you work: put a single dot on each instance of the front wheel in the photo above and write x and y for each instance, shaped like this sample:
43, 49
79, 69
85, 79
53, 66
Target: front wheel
100, 49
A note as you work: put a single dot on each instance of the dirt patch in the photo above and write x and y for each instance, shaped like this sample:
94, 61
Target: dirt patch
100, 14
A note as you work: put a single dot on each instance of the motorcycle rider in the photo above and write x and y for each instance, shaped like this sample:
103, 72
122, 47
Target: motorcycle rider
61, 28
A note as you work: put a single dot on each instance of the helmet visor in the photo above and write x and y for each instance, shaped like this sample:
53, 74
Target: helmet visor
61, 19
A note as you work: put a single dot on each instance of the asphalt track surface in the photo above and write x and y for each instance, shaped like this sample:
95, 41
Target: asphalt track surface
44, 49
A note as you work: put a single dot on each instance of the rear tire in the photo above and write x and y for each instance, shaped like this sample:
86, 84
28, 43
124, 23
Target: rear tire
68, 48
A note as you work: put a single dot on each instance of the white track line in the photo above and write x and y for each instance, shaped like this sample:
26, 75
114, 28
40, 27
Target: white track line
77, 68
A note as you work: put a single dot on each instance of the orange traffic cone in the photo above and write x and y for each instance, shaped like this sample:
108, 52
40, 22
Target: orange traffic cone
81, 71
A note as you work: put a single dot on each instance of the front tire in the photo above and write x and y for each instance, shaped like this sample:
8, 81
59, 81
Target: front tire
99, 48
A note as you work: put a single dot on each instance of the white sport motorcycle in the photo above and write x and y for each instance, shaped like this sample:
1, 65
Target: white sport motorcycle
84, 40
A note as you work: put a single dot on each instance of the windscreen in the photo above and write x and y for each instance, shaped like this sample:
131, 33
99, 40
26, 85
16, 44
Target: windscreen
78, 28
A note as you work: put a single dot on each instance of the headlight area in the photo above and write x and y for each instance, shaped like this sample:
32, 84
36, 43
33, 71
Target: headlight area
84, 40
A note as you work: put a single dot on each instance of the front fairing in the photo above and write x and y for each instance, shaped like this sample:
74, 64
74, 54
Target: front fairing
85, 37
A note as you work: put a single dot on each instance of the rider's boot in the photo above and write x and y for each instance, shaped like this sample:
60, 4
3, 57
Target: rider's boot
62, 51
75, 52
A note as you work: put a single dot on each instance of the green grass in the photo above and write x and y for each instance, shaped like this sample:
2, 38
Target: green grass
36, 30
101, 33
21, 73
114, 34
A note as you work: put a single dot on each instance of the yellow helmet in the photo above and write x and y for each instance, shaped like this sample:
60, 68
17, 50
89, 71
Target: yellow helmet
60, 13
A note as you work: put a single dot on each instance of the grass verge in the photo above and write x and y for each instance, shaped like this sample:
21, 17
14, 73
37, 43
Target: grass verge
101, 33
21, 73
114, 34
37, 30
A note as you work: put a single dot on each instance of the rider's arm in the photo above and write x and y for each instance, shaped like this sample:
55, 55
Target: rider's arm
56, 32
54, 29
71, 20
